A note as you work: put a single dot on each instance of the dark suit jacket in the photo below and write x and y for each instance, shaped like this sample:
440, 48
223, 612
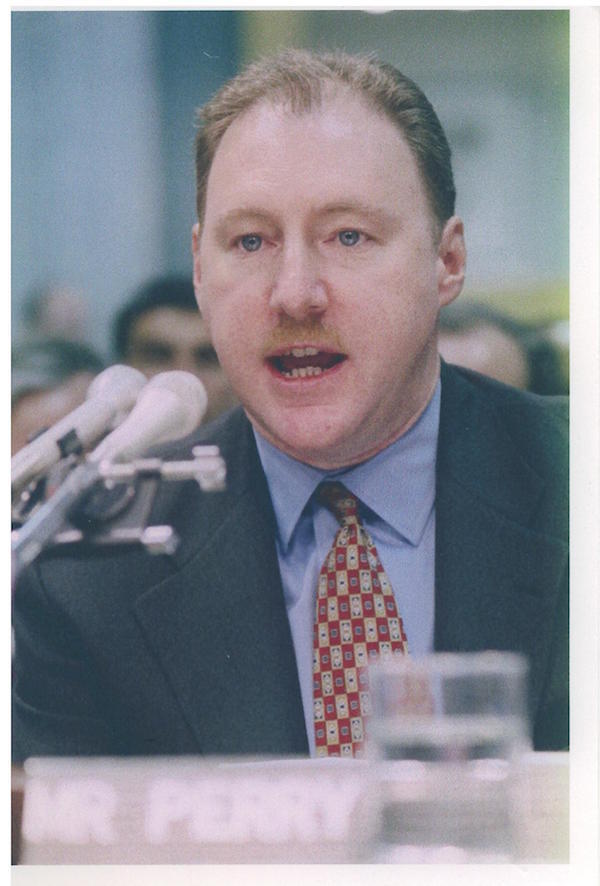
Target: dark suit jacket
119, 652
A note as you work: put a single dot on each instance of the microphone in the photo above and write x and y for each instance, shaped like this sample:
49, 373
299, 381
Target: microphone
170, 406
110, 396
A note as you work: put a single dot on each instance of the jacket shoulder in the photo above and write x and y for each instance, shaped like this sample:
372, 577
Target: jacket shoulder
537, 424
506, 446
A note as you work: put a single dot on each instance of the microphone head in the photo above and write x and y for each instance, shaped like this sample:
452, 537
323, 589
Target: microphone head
170, 406
118, 385
110, 396
189, 392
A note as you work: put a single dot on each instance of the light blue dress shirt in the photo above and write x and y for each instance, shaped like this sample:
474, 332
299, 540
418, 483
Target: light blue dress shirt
397, 491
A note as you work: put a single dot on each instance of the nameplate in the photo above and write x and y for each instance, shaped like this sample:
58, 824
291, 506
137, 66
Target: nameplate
186, 810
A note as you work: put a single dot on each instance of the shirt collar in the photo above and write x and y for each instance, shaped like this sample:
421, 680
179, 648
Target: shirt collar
397, 484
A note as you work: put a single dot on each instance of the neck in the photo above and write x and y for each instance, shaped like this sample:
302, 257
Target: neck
332, 461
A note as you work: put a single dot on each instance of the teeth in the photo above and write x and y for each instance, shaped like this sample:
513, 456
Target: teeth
301, 352
304, 372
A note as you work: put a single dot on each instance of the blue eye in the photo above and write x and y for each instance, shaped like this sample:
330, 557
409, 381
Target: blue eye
251, 242
349, 238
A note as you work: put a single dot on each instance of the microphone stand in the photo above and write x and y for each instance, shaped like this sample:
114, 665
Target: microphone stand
96, 496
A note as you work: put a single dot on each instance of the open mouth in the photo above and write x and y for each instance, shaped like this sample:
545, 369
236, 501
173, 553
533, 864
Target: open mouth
305, 362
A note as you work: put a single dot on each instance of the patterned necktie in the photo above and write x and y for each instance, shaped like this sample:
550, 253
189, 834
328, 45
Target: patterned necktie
356, 621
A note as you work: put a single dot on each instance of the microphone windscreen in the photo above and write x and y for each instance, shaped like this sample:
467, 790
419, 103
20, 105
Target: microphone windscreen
169, 407
109, 398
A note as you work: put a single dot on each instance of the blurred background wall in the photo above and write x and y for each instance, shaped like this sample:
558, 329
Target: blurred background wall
103, 127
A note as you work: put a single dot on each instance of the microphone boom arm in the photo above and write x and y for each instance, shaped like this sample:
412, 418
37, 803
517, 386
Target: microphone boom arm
51, 523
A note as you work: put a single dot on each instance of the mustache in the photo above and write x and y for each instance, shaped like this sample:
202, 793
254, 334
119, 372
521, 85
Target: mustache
313, 332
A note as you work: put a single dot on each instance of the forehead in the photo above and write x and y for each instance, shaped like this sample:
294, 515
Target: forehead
336, 149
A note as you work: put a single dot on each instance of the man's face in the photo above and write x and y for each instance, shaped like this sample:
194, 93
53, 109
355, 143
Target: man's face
320, 279
167, 338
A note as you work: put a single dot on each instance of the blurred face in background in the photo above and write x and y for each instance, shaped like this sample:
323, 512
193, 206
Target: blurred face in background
35, 411
487, 349
167, 338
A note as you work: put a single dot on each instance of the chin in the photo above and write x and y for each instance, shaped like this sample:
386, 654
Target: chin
305, 440
322, 436
322, 450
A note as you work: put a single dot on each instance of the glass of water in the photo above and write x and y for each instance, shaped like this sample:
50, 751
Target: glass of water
446, 732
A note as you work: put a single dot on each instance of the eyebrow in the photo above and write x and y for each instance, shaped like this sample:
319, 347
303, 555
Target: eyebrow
238, 215
355, 206
250, 214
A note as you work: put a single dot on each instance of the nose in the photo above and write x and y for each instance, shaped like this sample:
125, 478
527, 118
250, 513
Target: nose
298, 289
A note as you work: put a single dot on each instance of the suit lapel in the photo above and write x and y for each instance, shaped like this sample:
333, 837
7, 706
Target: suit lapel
219, 624
496, 577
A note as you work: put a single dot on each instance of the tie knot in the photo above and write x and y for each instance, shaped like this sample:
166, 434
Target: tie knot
340, 502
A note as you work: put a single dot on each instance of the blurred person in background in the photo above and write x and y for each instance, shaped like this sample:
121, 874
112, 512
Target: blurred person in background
160, 329
55, 310
50, 378
478, 337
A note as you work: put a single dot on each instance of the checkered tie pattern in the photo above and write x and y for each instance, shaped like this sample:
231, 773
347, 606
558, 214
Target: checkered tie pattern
356, 622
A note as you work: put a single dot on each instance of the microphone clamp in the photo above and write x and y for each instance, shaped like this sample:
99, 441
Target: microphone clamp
109, 503
206, 467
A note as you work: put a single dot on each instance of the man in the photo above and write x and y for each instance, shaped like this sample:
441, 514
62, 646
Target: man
49, 378
160, 329
56, 311
325, 246
524, 356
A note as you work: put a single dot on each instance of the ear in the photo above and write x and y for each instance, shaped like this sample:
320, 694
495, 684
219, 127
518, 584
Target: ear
196, 257
451, 261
